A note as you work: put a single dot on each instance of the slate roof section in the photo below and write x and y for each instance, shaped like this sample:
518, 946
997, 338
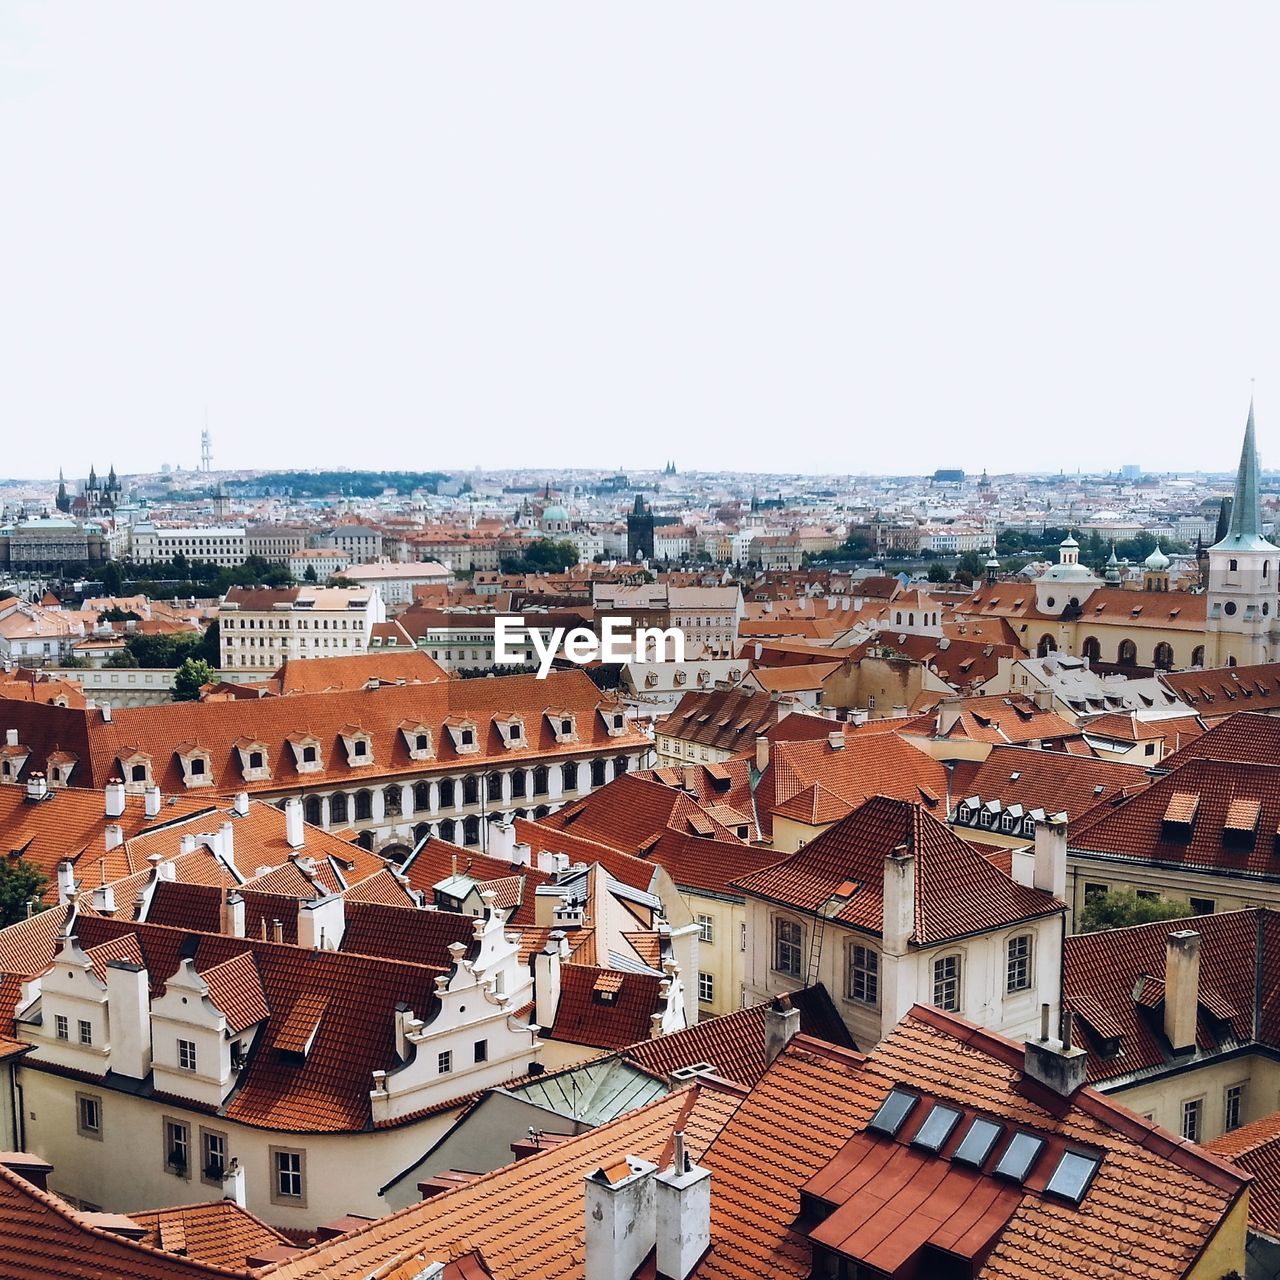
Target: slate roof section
958, 891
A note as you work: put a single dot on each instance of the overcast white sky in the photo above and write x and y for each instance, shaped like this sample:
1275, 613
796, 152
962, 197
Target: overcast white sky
825, 237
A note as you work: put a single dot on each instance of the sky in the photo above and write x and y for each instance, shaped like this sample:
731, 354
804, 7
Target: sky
741, 235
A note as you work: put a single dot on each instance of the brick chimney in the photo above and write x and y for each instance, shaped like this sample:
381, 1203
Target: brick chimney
781, 1022
1181, 989
762, 752
620, 1218
682, 1213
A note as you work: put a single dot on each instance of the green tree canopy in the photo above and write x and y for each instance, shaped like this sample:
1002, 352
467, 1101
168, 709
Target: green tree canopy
19, 883
193, 673
542, 556
1117, 909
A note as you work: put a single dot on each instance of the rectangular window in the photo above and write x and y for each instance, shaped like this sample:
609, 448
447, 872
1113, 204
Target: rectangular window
706, 986
788, 936
706, 929
946, 983
1233, 1107
88, 1116
186, 1055
288, 1181
1094, 891
1191, 1114
864, 976
444, 1062
1201, 906
213, 1156
1018, 964
60, 1027
86, 1032
177, 1148
482, 1051
742, 937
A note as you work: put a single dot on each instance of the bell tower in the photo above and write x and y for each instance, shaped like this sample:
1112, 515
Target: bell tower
1242, 594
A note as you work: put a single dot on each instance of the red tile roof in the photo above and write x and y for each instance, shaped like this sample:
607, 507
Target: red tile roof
1255, 1148
1245, 735
218, 1232
604, 1008
1223, 690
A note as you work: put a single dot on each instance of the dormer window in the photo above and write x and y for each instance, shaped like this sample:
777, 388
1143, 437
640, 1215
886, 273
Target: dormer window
197, 765
562, 725
466, 741
135, 769
255, 761
359, 746
417, 740
307, 756
512, 731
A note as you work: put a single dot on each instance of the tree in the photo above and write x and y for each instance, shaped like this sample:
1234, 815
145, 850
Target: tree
1117, 909
938, 573
112, 578
121, 658
210, 647
542, 556
193, 673
310, 575
19, 883
117, 614
971, 564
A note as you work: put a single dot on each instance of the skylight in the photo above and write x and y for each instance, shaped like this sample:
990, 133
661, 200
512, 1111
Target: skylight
1019, 1156
893, 1112
977, 1143
937, 1128
1072, 1176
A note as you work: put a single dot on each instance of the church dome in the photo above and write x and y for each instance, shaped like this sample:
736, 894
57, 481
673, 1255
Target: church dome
556, 513
1069, 541
1157, 561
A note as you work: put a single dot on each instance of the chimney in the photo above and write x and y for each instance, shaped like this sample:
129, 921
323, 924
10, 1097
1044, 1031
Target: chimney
546, 980
762, 753
66, 882
899, 912
322, 922
232, 915
682, 1214
620, 1218
1043, 699
1056, 1064
241, 806
227, 844
781, 1022
114, 795
1181, 989
106, 713
233, 1183
502, 841
103, 899
37, 786
112, 835
11, 737
129, 1019
1051, 856
187, 844
151, 797
294, 831
835, 740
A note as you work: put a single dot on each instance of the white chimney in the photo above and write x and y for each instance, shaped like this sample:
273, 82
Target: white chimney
899, 919
187, 844
165, 870
522, 853
232, 915
620, 1218
151, 797
1056, 1064
835, 740
103, 899
1051, 856
114, 795
37, 786
11, 737
106, 713
241, 806
277, 930
233, 1183
781, 1022
66, 882
502, 841
682, 1214
112, 835
294, 829
129, 1019
546, 980
1181, 989
322, 922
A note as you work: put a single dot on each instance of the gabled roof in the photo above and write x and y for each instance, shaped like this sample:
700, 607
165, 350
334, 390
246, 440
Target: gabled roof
1223, 691
958, 891
1255, 1148
218, 1232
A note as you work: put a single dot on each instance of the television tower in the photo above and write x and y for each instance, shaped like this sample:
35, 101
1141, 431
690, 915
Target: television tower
206, 446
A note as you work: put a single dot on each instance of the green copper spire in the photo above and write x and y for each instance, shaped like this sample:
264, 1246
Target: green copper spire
1245, 530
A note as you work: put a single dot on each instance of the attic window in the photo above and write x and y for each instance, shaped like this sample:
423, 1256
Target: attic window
1181, 809
309, 755
1072, 1177
977, 1144
467, 737
938, 1126
421, 742
1242, 818
1022, 1152
893, 1112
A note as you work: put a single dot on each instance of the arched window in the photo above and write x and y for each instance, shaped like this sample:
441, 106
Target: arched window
493, 786
1046, 646
470, 789
1163, 657
447, 792
1091, 649
597, 773
569, 777
447, 829
541, 811
421, 796
911, 619
1232, 566
1128, 653
338, 807
311, 810
1231, 659
619, 766
519, 782
540, 780
364, 805
391, 801
1197, 656
365, 840
421, 832
471, 831
1018, 955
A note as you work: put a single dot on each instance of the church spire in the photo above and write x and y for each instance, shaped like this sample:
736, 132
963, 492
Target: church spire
1244, 533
